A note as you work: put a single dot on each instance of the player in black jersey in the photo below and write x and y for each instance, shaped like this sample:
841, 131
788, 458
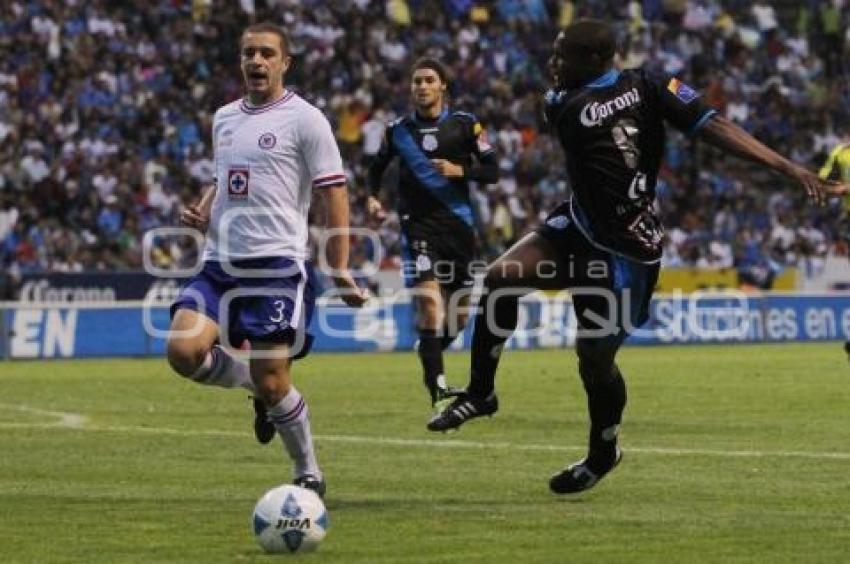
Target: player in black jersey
440, 151
604, 243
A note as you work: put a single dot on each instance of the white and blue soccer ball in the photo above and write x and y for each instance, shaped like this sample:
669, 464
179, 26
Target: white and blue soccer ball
290, 520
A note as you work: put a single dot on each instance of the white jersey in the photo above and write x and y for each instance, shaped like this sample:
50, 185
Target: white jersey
267, 161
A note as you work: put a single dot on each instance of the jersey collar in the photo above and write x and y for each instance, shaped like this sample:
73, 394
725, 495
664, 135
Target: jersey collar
246, 107
440, 118
607, 79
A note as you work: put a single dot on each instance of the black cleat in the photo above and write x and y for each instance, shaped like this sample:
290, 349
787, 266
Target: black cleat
847, 349
462, 409
442, 398
263, 428
582, 475
310, 482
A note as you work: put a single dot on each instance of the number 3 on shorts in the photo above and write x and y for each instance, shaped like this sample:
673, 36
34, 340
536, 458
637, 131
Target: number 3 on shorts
278, 306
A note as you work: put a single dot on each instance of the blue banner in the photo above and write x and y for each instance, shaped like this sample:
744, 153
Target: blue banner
66, 331
91, 287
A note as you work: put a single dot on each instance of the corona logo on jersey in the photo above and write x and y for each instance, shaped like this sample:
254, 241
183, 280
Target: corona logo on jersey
237, 183
593, 113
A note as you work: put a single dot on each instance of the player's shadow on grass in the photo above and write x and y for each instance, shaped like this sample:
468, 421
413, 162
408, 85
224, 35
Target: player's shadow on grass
403, 503
571, 499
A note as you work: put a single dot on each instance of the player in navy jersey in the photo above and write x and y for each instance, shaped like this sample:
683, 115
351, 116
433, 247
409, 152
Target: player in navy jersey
604, 243
440, 151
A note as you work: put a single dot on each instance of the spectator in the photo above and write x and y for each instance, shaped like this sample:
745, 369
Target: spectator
101, 103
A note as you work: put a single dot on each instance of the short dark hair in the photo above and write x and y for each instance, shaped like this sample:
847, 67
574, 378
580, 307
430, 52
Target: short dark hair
268, 27
589, 37
434, 65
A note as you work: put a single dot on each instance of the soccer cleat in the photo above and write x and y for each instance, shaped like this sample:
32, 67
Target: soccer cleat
263, 428
310, 482
462, 409
847, 349
582, 476
443, 398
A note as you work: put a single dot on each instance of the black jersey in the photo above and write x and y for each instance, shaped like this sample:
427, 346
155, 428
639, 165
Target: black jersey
426, 197
612, 132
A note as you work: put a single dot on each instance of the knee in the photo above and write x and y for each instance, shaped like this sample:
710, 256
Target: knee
428, 312
429, 319
184, 357
271, 388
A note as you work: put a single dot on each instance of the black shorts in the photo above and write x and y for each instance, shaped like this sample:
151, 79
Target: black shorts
599, 280
441, 254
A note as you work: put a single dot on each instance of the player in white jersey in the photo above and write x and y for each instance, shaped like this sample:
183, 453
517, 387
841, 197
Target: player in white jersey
272, 150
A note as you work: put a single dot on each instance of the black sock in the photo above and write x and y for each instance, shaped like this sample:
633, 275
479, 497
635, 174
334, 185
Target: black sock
606, 400
486, 345
431, 355
446, 340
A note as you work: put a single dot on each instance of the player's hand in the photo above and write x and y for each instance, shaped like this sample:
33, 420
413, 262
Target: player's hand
816, 188
447, 168
192, 216
376, 209
349, 291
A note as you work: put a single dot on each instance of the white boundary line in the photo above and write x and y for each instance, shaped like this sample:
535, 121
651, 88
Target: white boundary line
77, 422
64, 418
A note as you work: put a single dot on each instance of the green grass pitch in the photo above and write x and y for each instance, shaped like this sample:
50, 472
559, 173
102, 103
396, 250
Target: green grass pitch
732, 454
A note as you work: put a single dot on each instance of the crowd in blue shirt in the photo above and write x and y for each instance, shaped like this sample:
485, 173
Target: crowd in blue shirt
105, 115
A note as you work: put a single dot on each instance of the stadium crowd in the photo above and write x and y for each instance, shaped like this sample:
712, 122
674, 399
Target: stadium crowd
106, 108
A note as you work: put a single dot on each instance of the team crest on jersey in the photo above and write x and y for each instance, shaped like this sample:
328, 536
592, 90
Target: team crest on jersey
237, 182
423, 263
429, 142
267, 140
682, 91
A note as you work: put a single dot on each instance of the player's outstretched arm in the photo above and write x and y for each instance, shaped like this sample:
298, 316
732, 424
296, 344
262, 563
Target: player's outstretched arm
731, 138
336, 203
197, 215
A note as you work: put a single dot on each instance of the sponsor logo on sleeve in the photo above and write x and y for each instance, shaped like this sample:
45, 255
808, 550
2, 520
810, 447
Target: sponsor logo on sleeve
483, 142
682, 91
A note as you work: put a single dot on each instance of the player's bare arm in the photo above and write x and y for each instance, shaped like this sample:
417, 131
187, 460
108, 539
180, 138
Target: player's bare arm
336, 204
197, 215
731, 138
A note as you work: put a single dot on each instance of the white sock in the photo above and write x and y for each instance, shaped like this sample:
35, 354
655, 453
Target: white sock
221, 369
291, 419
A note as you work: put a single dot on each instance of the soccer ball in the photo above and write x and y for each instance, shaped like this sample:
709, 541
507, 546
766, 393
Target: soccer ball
290, 520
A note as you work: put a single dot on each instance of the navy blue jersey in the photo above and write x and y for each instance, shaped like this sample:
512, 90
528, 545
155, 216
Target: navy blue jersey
612, 132
425, 197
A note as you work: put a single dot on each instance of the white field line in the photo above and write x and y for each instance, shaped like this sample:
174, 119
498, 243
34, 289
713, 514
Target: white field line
77, 422
62, 418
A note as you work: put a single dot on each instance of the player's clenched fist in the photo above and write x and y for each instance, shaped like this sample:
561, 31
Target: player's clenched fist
192, 216
447, 168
